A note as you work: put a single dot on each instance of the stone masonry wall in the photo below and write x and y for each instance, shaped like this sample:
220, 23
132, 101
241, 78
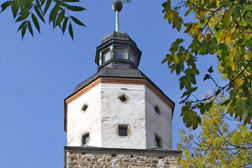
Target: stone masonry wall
86, 157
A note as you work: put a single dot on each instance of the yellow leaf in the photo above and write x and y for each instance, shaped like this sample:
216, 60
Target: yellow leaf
233, 67
237, 83
247, 57
175, 58
220, 38
228, 39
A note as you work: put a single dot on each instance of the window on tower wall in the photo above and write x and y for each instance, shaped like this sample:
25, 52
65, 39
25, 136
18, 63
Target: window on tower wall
157, 109
85, 139
132, 57
123, 130
84, 107
158, 141
106, 55
120, 53
123, 98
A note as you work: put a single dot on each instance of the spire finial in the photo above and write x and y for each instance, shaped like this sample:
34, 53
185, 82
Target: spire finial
117, 7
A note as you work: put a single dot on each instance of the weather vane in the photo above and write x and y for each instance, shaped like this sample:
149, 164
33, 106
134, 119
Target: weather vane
117, 7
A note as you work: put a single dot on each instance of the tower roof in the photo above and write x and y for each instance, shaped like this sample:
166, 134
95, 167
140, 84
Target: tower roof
112, 72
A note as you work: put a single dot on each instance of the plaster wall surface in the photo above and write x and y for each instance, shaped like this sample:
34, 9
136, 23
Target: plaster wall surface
80, 122
157, 124
114, 112
106, 112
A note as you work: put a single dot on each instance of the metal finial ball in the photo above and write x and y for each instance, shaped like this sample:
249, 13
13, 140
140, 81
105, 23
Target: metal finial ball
117, 6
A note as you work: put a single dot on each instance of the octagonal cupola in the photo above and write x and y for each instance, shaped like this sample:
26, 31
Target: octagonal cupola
117, 50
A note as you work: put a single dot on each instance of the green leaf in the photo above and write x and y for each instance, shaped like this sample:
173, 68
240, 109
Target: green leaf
175, 45
249, 44
30, 28
217, 92
23, 16
207, 76
39, 13
5, 5
60, 17
208, 105
48, 3
77, 21
210, 70
202, 108
22, 25
75, 8
23, 31
226, 102
64, 25
27, 7
36, 23
42, 2
14, 8
53, 15
227, 17
165, 59
38, 3
70, 30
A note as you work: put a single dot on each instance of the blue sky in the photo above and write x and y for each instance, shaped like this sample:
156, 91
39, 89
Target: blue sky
36, 74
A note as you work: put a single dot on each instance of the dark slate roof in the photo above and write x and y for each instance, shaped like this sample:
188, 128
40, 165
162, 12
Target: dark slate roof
112, 72
118, 36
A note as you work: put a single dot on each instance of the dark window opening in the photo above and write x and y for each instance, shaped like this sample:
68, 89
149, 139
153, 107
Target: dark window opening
106, 56
158, 141
85, 139
84, 107
120, 53
132, 57
157, 109
123, 130
123, 98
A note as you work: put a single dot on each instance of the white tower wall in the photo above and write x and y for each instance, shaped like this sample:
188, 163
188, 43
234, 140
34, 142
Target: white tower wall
80, 122
131, 113
157, 124
106, 111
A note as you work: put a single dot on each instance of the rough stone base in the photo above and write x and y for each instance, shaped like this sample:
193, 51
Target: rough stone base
89, 157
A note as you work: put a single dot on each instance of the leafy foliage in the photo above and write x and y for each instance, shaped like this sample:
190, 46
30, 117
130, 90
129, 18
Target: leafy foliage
29, 12
216, 27
216, 145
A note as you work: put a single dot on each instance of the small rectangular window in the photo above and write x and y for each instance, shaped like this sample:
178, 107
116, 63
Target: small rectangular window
85, 139
157, 109
120, 53
132, 57
123, 98
123, 130
158, 141
84, 107
106, 56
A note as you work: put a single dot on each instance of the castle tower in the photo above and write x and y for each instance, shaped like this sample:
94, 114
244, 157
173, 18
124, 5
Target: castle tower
118, 109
